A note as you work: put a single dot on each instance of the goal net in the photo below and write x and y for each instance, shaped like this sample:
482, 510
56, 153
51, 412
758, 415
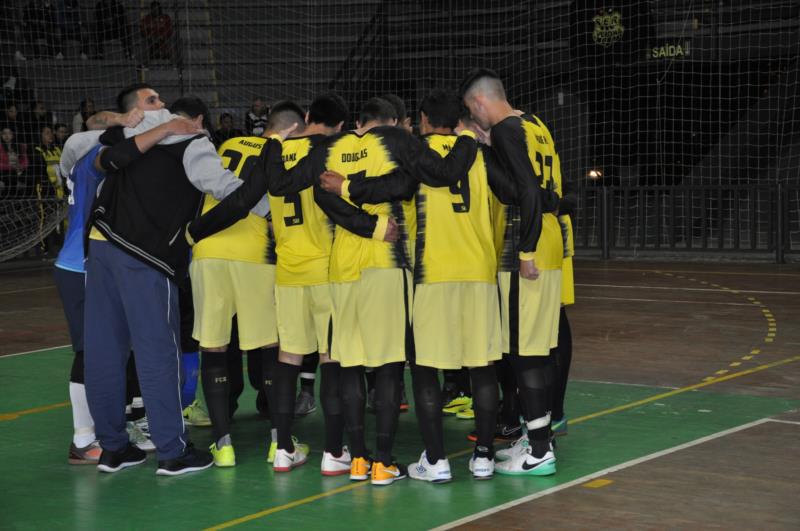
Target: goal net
686, 112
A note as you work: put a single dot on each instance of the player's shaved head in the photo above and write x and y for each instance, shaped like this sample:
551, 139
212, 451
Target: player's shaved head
482, 81
284, 114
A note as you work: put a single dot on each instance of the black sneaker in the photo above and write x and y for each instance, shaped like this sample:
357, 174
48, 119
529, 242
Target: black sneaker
504, 433
116, 461
192, 460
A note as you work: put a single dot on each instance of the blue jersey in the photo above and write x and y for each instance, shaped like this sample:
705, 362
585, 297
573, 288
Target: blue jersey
82, 183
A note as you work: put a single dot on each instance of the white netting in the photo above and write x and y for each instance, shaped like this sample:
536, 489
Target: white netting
693, 94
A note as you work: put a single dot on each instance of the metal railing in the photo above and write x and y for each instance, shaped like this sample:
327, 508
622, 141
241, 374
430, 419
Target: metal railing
710, 219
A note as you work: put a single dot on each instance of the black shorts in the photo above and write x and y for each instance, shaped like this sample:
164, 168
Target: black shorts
72, 290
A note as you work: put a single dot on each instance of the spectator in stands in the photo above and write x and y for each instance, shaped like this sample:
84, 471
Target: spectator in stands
44, 173
225, 130
111, 23
256, 119
11, 118
157, 33
71, 25
62, 133
9, 44
39, 23
79, 120
15, 88
35, 120
13, 163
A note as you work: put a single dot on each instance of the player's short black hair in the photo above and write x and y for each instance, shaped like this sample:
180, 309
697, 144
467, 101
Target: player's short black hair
377, 109
225, 115
474, 75
442, 108
398, 104
192, 106
127, 96
328, 109
285, 113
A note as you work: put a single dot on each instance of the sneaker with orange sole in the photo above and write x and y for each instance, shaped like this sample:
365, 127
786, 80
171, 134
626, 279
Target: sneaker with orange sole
88, 455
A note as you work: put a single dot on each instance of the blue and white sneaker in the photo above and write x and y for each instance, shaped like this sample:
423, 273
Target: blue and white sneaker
424, 471
481, 467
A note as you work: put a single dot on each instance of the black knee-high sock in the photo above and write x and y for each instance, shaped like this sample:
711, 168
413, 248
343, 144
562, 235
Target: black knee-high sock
532, 380
269, 360
254, 370
428, 403
235, 362
308, 371
562, 359
353, 393
332, 407
387, 408
216, 389
370, 375
509, 414
283, 412
485, 398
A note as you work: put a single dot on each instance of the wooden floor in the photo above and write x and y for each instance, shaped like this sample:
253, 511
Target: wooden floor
688, 329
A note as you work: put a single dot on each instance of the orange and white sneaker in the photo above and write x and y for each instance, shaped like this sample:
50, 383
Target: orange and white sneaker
360, 468
336, 466
386, 475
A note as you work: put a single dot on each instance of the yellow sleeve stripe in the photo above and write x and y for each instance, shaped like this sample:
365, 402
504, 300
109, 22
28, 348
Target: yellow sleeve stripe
346, 190
380, 228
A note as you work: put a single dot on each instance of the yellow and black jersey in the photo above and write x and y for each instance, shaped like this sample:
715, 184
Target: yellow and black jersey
50, 158
454, 232
303, 233
525, 148
248, 240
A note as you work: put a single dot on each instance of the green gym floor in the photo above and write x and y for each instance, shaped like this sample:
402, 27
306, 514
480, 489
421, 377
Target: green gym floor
683, 413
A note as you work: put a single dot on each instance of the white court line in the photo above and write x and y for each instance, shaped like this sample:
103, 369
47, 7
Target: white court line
25, 290
32, 351
581, 297
600, 473
715, 290
781, 421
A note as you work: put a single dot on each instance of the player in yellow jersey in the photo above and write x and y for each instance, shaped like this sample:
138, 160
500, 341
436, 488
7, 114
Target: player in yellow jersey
456, 318
304, 236
530, 272
233, 273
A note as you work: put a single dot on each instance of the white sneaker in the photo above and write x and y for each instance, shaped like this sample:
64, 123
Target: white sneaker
336, 466
481, 467
424, 471
525, 464
285, 461
19, 57
517, 447
139, 438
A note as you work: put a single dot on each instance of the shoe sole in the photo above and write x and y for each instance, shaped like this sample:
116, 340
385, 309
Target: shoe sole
224, 465
164, 472
310, 411
78, 461
107, 469
472, 438
331, 473
359, 478
289, 468
196, 424
482, 478
385, 482
435, 481
547, 469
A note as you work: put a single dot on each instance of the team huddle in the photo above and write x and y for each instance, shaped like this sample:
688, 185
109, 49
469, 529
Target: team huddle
372, 248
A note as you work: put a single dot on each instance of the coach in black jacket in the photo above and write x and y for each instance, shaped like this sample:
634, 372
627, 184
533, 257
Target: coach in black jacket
136, 252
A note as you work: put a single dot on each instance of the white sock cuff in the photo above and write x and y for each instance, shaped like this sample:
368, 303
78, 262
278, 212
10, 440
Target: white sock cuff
308, 375
137, 402
541, 422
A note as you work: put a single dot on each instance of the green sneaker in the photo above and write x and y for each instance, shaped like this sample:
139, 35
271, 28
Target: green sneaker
466, 414
194, 415
224, 456
273, 448
458, 403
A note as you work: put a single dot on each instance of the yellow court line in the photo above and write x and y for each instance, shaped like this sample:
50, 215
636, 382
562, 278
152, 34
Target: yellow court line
303, 501
16, 414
